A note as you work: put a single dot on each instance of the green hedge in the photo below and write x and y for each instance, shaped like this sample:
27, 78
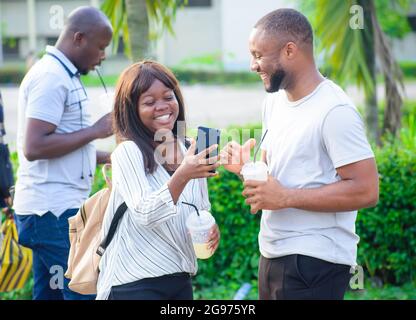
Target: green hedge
388, 232
408, 68
12, 74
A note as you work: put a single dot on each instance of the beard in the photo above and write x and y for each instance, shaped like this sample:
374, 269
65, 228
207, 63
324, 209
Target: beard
84, 72
276, 80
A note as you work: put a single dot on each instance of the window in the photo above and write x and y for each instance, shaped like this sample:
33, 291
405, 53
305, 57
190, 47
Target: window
412, 22
197, 3
11, 47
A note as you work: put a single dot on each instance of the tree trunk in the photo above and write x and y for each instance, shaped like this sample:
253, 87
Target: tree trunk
393, 79
138, 25
371, 108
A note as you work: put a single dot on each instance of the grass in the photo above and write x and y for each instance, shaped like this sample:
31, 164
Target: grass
227, 291
387, 292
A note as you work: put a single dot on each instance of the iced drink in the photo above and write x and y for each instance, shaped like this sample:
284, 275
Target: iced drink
199, 227
255, 171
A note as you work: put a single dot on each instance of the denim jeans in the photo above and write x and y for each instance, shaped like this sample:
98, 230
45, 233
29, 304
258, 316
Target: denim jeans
48, 238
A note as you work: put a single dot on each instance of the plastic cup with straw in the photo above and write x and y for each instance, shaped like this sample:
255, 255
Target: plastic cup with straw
199, 227
255, 170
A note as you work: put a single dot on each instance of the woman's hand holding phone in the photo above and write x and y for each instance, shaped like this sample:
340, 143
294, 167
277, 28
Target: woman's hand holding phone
193, 166
196, 166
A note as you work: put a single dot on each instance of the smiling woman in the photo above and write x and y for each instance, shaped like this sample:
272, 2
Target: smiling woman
151, 256
158, 107
148, 99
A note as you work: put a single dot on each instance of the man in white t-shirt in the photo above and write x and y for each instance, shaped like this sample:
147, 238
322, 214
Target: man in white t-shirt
321, 167
54, 143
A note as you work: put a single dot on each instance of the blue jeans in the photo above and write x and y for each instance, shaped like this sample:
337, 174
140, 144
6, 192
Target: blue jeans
48, 238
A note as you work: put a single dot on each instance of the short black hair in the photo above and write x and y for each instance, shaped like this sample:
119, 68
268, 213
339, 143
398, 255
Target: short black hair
86, 18
289, 23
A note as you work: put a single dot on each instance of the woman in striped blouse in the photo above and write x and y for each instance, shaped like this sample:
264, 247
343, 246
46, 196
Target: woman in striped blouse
151, 255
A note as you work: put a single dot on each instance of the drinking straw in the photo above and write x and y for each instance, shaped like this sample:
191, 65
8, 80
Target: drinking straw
192, 205
101, 79
258, 147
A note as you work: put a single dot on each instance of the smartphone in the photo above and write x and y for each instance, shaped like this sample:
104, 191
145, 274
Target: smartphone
206, 138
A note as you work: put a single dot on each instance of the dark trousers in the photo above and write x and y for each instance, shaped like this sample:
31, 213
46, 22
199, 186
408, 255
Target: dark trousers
176, 286
48, 238
299, 277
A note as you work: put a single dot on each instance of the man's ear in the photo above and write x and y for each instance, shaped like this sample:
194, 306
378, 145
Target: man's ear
78, 38
291, 50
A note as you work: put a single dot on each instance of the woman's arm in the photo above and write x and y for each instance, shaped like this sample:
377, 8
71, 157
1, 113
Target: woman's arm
149, 207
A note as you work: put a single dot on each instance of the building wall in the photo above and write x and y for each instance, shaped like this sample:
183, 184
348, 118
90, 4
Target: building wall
14, 16
405, 49
197, 33
237, 20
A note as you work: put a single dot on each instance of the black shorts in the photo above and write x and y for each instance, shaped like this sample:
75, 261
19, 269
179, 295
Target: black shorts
177, 286
300, 277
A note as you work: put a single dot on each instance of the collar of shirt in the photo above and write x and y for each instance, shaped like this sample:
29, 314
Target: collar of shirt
59, 54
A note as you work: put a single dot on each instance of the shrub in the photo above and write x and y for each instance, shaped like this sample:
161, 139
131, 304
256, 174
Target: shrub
408, 68
388, 231
12, 74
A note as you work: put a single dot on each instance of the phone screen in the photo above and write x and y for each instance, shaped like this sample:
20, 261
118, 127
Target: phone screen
206, 138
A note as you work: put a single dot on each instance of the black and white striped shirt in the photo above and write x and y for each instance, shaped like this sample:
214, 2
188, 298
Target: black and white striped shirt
151, 239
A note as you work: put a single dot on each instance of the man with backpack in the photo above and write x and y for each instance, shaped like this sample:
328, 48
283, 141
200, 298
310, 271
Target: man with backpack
54, 143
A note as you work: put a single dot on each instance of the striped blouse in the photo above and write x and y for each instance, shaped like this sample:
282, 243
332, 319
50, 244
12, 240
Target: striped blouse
151, 239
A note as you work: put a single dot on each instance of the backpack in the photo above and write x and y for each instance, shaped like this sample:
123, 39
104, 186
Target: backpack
86, 245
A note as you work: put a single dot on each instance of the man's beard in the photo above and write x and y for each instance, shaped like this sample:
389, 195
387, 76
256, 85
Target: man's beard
276, 80
84, 72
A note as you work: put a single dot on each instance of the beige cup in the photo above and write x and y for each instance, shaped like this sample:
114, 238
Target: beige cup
199, 227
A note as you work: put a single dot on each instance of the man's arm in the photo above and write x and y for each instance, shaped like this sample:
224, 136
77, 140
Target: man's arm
358, 188
41, 141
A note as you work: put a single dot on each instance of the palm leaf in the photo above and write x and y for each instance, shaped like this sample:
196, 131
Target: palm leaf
161, 15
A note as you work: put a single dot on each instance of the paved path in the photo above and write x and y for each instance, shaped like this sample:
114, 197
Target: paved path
218, 106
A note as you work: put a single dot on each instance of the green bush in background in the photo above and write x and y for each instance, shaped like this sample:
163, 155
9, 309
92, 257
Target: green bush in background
388, 232
14, 75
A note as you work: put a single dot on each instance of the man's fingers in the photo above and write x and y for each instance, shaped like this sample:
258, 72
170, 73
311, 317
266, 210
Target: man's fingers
252, 183
248, 192
254, 210
249, 144
251, 200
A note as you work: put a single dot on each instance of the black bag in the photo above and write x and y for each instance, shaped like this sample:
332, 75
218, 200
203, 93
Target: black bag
6, 172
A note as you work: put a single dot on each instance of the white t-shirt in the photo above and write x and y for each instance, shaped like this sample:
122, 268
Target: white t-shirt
306, 141
49, 93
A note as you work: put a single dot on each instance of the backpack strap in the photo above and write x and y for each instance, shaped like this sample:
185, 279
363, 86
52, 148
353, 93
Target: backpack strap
113, 227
